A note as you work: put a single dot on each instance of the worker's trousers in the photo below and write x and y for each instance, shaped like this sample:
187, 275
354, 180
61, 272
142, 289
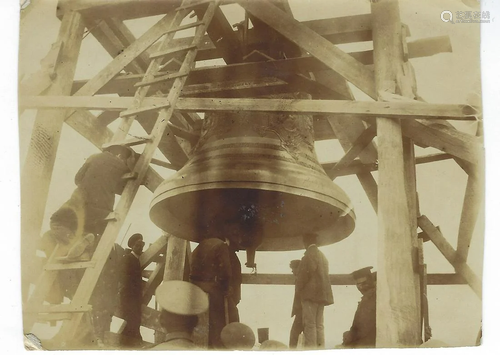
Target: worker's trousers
312, 320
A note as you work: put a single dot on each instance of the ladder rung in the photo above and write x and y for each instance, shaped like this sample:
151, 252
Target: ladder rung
137, 111
162, 79
185, 27
70, 265
171, 51
164, 164
129, 142
111, 217
52, 317
192, 5
130, 176
60, 308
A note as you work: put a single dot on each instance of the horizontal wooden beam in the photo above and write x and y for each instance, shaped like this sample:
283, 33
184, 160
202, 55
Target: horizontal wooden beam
450, 254
123, 9
256, 70
342, 279
403, 110
313, 43
357, 166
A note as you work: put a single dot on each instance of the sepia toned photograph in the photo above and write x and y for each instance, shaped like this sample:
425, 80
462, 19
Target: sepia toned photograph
268, 175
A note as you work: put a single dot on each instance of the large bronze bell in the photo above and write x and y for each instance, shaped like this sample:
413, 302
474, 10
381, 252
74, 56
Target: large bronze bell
254, 178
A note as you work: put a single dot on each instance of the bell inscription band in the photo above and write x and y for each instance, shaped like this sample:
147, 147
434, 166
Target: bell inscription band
254, 178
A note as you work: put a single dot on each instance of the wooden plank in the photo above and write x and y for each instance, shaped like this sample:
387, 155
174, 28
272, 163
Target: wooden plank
357, 147
347, 129
472, 203
168, 146
175, 259
123, 9
107, 117
366, 109
398, 310
450, 254
150, 317
449, 140
111, 43
59, 308
313, 43
37, 170
126, 57
158, 247
222, 35
357, 166
249, 71
341, 279
127, 38
153, 282
239, 88
191, 137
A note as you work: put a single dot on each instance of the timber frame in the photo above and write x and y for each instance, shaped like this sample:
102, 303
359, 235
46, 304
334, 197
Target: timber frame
397, 116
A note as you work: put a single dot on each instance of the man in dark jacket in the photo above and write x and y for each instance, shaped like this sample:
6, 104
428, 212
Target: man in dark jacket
131, 293
211, 271
315, 291
363, 330
97, 181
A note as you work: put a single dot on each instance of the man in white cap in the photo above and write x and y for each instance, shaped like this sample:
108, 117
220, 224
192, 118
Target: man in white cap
181, 303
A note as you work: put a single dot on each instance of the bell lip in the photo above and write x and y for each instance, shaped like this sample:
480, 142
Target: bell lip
257, 186
346, 224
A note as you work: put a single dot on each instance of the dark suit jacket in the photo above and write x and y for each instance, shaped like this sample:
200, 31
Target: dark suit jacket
131, 290
100, 178
210, 262
363, 329
313, 283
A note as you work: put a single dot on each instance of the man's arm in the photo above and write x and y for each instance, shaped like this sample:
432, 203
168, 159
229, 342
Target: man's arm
303, 273
81, 173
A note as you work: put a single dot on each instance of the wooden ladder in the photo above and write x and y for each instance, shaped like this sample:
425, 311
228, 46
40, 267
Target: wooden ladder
73, 312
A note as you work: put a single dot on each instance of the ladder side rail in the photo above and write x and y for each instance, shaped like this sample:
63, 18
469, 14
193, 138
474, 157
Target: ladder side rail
89, 279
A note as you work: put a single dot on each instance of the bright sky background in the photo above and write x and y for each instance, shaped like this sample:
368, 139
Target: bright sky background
455, 311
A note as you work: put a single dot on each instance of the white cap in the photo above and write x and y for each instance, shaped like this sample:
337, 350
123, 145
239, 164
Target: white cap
181, 297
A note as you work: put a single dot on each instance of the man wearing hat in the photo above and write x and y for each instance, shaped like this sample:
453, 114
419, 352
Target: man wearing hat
181, 303
363, 330
315, 292
131, 292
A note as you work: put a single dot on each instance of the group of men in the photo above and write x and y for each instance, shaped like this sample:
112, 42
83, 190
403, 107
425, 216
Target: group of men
215, 269
313, 292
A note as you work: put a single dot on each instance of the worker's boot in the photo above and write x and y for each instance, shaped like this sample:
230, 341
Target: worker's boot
80, 251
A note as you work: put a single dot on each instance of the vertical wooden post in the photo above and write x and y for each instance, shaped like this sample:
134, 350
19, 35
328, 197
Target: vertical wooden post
175, 258
398, 312
37, 170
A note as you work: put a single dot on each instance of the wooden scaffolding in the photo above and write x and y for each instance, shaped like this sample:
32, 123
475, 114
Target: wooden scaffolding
158, 62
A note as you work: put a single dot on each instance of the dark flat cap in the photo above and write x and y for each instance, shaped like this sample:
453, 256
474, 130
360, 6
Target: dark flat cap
361, 273
134, 238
